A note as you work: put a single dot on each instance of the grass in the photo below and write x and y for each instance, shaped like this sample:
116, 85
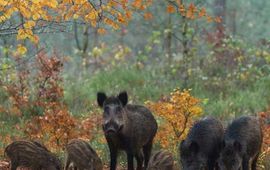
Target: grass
141, 85
150, 84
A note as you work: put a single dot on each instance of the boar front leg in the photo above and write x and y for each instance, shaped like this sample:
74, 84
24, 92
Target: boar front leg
130, 157
139, 158
113, 156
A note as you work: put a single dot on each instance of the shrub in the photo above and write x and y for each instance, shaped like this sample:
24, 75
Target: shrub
176, 114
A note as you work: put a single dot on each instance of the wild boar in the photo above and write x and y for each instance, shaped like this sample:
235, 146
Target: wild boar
201, 148
127, 127
242, 144
31, 154
161, 160
82, 156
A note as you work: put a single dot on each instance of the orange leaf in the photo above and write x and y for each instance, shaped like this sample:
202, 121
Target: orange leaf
170, 9
202, 12
101, 31
148, 16
218, 19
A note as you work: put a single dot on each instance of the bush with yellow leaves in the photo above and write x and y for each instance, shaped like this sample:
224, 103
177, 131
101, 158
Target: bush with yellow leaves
176, 114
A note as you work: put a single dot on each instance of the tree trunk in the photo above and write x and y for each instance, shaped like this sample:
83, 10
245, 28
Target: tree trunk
82, 45
168, 44
220, 11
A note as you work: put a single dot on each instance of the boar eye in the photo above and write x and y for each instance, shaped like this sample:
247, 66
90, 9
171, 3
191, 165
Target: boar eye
106, 109
118, 109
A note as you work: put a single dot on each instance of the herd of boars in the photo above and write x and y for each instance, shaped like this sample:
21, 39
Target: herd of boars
132, 128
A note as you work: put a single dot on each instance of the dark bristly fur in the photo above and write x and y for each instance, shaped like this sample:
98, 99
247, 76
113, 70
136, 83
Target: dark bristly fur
242, 143
82, 156
200, 150
31, 154
161, 160
131, 128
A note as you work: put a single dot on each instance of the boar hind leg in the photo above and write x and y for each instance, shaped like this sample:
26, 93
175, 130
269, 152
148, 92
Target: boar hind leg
216, 166
139, 158
254, 162
14, 165
245, 163
147, 153
67, 164
211, 164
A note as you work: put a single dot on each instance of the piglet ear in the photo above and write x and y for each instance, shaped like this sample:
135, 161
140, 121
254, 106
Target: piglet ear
237, 145
101, 97
123, 97
194, 147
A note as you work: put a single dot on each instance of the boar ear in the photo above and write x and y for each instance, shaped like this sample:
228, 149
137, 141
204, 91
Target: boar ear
237, 145
181, 145
194, 147
123, 97
101, 97
182, 141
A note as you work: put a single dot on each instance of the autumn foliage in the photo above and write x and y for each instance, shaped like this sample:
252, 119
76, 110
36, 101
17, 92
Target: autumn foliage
57, 127
32, 91
265, 118
176, 114
31, 17
38, 95
190, 11
37, 13
265, 154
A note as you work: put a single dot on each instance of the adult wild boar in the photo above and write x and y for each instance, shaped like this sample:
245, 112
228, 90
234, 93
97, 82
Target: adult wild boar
127, 127
242, 144
201, 148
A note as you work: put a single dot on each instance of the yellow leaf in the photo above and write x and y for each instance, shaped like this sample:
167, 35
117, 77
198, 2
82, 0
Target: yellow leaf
52, 3
2, 18
36, 16
101, 31
29, 24
25, 12
75, 16
21, 49
93, 23
92, 15
21, 34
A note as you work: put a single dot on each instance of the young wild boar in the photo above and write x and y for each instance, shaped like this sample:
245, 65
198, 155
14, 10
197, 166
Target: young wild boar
242, 143
162, 160
201, 148
131, 128
31, 154
82, 156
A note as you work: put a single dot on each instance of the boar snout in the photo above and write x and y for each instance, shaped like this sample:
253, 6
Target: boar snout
111, 127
